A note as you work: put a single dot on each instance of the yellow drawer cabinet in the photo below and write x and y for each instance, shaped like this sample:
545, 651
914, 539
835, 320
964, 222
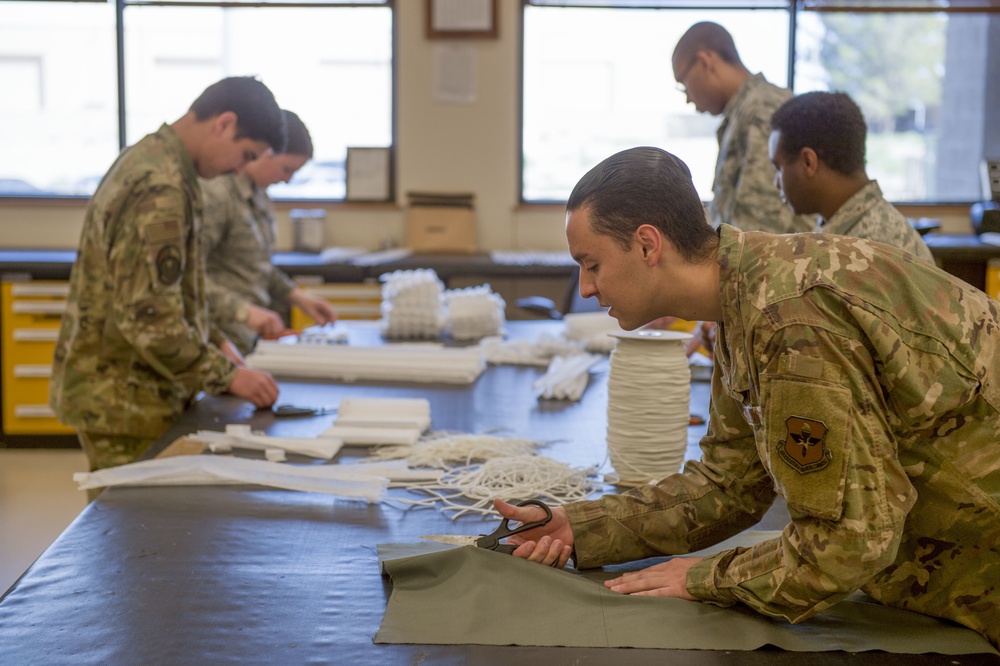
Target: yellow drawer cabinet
31, 314
993, 278
361, 300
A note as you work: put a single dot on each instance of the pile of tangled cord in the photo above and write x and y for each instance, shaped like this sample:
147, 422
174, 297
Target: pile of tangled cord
479, 468
445, 449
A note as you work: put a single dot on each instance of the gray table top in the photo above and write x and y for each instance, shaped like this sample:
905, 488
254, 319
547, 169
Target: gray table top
245, 574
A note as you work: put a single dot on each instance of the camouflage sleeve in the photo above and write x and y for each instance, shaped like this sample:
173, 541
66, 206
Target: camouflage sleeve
756, 204
827, 436
280, 286
223, 304
148, 264
725, 492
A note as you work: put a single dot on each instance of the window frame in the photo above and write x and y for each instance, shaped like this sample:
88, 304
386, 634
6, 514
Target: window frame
120, 5
792, 6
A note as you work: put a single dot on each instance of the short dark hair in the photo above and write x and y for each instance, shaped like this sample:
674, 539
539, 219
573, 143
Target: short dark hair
707, 36
258, 115
645, 185
299, 141
828, 122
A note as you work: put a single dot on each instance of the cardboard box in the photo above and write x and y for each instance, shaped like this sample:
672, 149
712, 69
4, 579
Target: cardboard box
441, 223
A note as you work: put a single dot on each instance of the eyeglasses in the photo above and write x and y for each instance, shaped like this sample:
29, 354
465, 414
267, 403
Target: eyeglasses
681, 84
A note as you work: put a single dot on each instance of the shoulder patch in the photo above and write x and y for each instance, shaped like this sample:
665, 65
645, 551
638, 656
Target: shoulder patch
803, 447
169, 264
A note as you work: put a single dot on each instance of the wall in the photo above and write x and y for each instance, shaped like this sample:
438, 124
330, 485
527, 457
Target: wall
440, 146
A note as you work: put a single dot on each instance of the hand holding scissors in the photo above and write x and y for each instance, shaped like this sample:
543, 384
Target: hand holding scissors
549, 543
533, 518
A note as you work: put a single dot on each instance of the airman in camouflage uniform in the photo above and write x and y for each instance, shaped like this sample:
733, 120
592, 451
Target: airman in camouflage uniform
707, 65
238, 235
852, 379
247, 295
133, 348
868, 215
817, 146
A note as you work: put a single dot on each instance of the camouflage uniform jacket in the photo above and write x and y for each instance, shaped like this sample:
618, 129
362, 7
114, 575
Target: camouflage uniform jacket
868, 215
745, 195
238, 237
133, 347
863, 386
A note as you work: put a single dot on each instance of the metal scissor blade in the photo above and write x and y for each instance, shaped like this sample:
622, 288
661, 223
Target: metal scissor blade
452, 539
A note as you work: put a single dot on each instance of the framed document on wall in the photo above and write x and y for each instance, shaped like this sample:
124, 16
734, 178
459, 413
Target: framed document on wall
461, 19
368, 174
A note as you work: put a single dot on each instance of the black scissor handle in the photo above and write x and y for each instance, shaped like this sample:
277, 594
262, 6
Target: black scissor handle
492, 541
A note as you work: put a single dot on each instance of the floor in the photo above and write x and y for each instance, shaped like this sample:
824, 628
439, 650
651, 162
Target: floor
38, 499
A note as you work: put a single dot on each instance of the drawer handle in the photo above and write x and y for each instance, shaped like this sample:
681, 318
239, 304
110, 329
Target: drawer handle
36, 334
32, 370
28, 289
38, 307
34, 412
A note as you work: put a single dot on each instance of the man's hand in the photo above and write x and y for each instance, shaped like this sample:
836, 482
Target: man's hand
667, 579
316, 308
703, 337
551, 544
256, 386
267, 323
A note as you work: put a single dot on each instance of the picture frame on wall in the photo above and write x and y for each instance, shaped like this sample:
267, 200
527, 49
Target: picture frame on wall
368, 174
461, 19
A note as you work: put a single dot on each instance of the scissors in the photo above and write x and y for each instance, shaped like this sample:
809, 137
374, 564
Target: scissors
294, 410
492, 541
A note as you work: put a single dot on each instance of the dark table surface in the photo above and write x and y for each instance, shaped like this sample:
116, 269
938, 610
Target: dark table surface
219, 574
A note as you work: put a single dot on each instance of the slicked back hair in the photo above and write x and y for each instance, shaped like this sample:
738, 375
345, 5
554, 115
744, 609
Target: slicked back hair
828, 122
258, 115
645, 185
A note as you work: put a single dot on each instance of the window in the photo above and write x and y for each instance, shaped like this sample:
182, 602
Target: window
58, 98
598, 79
331, 64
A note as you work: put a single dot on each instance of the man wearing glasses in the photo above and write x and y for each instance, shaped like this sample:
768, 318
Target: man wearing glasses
710, 73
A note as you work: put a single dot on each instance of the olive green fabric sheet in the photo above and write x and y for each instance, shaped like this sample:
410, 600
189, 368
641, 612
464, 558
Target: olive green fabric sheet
467, 595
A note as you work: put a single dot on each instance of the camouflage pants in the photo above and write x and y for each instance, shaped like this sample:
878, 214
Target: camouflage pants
108, 450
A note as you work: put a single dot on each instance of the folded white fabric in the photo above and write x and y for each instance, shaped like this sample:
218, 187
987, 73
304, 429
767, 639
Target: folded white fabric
567, 377
240, 436
366, 482
396, 362
385, 412
362, 436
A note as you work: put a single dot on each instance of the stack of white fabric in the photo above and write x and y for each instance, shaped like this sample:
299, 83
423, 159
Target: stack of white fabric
405, 362
240, 436
474, 312
385, 412
412, 304
381, 421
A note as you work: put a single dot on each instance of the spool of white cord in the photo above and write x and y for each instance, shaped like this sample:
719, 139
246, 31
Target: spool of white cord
649, 395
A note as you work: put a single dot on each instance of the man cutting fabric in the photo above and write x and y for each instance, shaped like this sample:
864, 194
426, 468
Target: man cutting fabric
852, 379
